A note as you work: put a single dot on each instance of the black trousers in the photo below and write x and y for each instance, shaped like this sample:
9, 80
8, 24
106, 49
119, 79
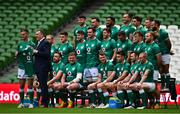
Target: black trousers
42, 78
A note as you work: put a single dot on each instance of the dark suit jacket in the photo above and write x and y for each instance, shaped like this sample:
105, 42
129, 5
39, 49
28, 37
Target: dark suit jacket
42, 58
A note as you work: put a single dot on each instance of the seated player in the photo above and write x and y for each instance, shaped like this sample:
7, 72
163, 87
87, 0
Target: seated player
146, 84
72, 77
54, 83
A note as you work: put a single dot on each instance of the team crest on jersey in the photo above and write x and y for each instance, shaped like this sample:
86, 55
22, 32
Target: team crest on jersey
88, 49
101, 69
118, 44
123, 46
73, 68
92, 45
103, 49
118, 69
119, 49
78, 52
141, 73
69, 73
54, 73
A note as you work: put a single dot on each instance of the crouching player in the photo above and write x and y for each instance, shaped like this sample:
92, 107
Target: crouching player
146, 83
54, 84
72, 77
106, 75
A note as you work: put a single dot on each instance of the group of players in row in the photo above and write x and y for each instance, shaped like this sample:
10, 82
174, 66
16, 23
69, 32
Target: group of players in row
125, 61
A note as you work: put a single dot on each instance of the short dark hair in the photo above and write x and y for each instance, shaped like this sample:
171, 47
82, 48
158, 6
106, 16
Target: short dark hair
139, 33
80, 32
72, 54
138, 18
58, 53
121, 33
120, 53
24, 30
150, 18
112, 18
92, 29
107, 29
101, 53
82, 16
64, 33
97, 19
158, 22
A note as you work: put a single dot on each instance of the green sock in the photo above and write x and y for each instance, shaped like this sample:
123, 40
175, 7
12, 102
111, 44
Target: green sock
130, 96
144, 98
120, 95
21, 93
57, 97
106, 97
51, 95
63, 95
101, 96
162, 80
38, 94
167, 80
72, 96
92, 96
31, 95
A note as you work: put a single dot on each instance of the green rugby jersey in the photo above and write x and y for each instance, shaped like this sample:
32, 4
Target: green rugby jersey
81, 53
152, 50
92, 47
146, 67
103, 69
65, 49
71, 70
108, 47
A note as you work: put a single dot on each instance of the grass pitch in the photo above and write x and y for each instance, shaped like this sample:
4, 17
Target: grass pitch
12, 109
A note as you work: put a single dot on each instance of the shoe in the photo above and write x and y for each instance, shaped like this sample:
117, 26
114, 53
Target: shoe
80, 106
157, 106
30, 106
56, 105
100, 106
106, 106
44, 106
142, 107
63, 105
129, 107
70, 104
51, 105
91, 106
20, 105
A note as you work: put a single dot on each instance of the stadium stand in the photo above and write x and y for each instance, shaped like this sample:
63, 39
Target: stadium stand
31, 14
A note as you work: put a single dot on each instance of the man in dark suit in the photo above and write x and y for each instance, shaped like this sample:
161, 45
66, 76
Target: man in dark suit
42, 65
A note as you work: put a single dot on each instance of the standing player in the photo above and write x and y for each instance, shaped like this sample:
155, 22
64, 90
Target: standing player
95, 22
110, 24
50, 39
81, 49
64, 47
127, 27
108, 45
123, 44
162, 39
148, 23
136, 21
25, 60
81, 20
154, 56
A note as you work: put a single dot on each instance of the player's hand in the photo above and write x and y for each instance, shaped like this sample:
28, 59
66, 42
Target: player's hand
138, 85
127, 84
35, 51
115, 81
